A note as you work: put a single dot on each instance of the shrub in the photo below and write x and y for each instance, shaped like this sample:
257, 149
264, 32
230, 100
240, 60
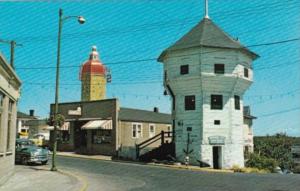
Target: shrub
277, 147
261, 162
236, 168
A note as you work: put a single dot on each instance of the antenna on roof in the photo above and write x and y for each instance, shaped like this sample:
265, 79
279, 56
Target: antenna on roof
206, 9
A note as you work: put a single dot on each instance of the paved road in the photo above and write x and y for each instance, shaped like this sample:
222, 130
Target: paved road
115, 176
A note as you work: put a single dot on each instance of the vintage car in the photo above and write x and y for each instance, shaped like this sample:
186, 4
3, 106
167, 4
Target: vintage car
27, 152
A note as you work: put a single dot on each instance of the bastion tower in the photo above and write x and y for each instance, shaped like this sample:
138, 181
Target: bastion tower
93, 78
206, 73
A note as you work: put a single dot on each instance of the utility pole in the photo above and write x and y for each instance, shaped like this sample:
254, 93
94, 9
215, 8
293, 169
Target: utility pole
13, 44
61, 19
12, 53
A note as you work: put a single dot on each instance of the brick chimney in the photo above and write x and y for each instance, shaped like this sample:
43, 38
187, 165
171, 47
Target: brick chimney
31, 112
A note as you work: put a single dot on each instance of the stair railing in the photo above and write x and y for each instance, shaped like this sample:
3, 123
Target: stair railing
161, 136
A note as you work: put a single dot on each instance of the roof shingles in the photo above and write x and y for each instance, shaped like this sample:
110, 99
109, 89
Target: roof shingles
207, 34
127, 114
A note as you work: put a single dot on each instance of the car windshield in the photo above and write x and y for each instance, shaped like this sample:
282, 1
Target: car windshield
25, 142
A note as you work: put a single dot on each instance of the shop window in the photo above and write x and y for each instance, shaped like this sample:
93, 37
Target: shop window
216, 102
136, 130
102, 136
8, 143
184, 69
10, 105
65, 136
237, 105
151, 130
190, 102
219, 68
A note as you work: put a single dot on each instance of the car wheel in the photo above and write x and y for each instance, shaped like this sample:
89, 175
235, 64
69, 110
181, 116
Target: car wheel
44, 162
24, 161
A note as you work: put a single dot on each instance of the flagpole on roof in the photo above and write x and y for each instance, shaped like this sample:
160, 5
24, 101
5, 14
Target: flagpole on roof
206, 9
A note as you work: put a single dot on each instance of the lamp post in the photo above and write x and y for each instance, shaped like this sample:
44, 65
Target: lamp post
62, 18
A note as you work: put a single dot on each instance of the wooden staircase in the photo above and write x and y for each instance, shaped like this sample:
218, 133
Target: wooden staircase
166, 150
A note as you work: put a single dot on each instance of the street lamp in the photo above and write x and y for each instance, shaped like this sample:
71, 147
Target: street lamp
62, 18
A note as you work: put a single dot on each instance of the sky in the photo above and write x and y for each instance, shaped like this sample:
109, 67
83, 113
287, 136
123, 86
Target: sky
130, 35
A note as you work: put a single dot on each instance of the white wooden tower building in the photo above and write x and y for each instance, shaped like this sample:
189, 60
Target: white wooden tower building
206, 73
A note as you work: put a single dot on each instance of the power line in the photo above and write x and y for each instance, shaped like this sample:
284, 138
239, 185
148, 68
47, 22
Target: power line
154, 59
158, 24
279, 112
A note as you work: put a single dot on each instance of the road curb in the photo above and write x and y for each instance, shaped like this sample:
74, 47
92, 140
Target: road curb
70, 174
79, 178
193, 168
179, 167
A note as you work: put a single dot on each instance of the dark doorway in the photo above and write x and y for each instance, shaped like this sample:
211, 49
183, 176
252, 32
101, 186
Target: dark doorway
79, 135
217, 157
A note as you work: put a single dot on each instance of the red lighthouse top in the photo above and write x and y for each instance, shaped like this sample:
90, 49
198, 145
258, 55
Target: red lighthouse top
93, 65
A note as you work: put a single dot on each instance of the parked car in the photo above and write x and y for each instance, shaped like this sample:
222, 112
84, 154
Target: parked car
27, 152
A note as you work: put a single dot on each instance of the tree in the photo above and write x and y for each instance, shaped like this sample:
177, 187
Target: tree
277, 147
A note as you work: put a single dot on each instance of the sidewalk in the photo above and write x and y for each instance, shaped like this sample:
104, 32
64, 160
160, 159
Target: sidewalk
95, 157
109, 158
36, 178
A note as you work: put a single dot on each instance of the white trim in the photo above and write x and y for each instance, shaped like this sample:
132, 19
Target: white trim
137, 135
154, 130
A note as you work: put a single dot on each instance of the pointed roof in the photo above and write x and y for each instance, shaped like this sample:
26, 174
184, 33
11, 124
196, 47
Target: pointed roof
208, 34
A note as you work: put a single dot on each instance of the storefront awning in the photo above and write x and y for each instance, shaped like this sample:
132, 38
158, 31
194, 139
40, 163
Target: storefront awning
64, 127
98, 124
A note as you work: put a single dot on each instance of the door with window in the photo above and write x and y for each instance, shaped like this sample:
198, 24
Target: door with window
151, 130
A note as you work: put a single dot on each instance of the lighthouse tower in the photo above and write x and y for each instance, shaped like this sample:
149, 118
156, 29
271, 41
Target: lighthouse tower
206, 73
93, 78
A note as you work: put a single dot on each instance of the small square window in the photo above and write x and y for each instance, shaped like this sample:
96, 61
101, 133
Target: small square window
219, 69
246, 72
237, 102
190, 102
217, 122
216, 102
184, 69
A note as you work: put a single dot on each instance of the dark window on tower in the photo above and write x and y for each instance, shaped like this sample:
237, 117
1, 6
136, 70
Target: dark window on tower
237, 102
216, 102
190, 102
217, 122
219, 69
246, 72
184, 69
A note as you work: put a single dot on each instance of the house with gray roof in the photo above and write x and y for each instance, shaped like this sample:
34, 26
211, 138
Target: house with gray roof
103, 127
22, 128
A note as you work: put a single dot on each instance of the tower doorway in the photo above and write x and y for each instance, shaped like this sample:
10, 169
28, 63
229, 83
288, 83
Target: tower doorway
217, 157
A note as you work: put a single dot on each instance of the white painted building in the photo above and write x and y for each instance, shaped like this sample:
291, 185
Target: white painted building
206, 73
